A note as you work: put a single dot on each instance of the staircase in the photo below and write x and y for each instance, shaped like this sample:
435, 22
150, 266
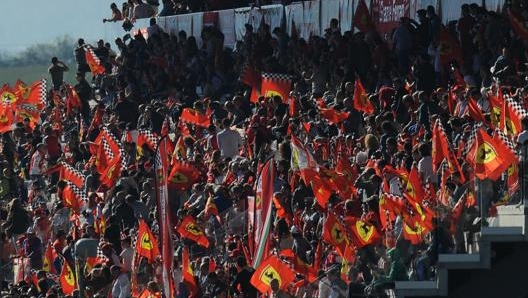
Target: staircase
498, 268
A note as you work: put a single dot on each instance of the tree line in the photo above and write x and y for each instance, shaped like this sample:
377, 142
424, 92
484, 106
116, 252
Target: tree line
41, 53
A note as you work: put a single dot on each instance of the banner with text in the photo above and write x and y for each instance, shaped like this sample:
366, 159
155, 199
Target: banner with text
387, 14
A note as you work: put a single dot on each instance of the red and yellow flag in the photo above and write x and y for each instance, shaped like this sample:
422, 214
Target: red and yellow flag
270, 269
188, 274
67, 279
275, 84
7, 95
183, 175
334, 233
195, 117
190, 229
49, 258
361, 101
146, 244
7, 118
364, 232
489, 158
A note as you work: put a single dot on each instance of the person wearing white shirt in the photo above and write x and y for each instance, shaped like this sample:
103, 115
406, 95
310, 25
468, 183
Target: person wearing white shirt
229, 140
127, 253
425, 165
121, 284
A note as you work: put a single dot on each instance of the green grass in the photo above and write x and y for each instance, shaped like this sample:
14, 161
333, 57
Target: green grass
31, 73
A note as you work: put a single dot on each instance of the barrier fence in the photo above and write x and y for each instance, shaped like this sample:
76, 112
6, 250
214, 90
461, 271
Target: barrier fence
308, 17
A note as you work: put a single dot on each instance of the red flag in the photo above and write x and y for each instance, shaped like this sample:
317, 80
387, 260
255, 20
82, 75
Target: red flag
361, 101
183, 175
334, 233
322, 191
71, 174
146, 243
195, 117
73, 101
275, 84
67, 279
364, 232
93, 62
414, 187
7, 95
7, 118
262, 221
513, 170
362, 19
488, 157
188, 274
111, 173
474, 110
73, 197
97, 119
188, 228
389, 206
49, 258
34, 94
440, 147
299, 266
511, 116
449, 48
164, 216
415, 234
148, 137
333, 116
27, 111
270, 269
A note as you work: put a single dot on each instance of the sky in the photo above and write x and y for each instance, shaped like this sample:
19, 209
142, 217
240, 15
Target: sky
26, 22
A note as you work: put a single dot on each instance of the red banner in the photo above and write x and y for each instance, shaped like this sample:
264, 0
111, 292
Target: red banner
386, 15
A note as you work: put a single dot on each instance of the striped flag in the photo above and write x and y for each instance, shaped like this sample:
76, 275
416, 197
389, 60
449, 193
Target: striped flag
262, 216
161, 166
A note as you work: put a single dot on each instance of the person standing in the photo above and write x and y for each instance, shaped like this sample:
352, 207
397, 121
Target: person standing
84, 91
57, 70
121, 284
229, 140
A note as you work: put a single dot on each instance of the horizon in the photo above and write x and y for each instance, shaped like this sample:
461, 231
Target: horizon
30, 24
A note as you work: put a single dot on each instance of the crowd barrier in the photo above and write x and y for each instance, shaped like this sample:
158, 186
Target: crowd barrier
308, 17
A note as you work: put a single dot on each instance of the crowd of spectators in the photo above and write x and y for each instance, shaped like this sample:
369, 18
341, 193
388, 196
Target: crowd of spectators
147, 83
139, 9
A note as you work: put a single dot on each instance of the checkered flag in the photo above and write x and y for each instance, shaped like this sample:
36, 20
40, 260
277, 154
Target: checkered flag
124, 159
108, 151
43, 91
149, 137
80, 195
51, 276
73, 171
276, 84
471, 139
517, 108
503, 138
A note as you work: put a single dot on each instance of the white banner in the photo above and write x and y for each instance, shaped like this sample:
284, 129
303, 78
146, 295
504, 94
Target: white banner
346, 14
227, 26
310, 25
197, 25
329, 11
294, 12
272, 16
